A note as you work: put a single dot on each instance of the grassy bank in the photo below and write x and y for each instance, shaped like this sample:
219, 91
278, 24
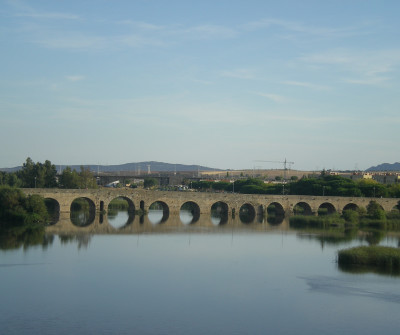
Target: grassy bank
383, 258
307, 221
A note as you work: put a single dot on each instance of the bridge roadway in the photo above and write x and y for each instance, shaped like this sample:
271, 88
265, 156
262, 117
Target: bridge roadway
201, 202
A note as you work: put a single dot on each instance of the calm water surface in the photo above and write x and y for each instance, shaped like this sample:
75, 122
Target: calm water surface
188, 279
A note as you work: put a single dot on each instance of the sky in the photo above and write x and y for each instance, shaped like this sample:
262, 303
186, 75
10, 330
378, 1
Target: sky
225, 84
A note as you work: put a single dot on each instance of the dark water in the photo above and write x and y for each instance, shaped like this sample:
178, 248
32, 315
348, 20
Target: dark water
235, 279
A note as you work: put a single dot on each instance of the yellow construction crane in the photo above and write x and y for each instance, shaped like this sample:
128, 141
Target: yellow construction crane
285, 165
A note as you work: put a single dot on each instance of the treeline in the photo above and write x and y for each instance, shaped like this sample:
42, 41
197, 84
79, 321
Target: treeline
22, 218
44, 175
326, 185
16, 207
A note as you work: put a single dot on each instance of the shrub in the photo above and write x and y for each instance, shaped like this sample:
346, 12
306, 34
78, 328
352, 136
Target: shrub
377, 256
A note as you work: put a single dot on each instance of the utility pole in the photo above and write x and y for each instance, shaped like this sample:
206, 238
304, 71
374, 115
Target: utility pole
285, 164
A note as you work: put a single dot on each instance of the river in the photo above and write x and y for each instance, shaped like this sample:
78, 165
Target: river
133, 275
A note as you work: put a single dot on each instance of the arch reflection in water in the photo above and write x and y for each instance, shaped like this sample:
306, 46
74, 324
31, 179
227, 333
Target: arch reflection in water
275, 213
83, 212
120, 212
53, 208
219, 213
158, 212
247, 213
189, 213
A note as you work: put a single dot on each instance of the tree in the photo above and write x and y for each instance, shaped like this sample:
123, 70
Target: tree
37, 174
69, 178
87, 179
150, 182
10, 179
16, 208
28, 174
375, 211
36, 210
50, 174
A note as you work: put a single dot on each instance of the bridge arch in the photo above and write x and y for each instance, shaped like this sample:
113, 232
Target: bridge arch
191, 208
247, 213
219, 213
82, 211
131, 205
53, 208
326, 208
158, 212
275, 208
302, 208
275, 213
120, 212
374, 203
396, 208
351, 207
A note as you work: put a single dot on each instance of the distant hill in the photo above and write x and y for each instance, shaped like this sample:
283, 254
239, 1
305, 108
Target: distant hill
142, 166
385, 167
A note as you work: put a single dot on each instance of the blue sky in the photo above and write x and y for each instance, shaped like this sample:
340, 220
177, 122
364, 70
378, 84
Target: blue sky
215, 83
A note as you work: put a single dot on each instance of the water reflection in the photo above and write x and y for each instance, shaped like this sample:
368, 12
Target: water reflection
156, 216
230, 279
120, 218
82, 240
21, 237
83, 212
187, 217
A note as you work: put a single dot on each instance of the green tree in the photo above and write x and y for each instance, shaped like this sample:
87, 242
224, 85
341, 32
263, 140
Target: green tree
150, 183
375, 211
69, 178
50, 174
37, 174
16, 208
36, 210
28, 174
86, 178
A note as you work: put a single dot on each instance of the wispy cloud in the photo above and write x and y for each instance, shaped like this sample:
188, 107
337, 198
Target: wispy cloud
239, 74
141, 25
52, 16
24, 10
301, 28
274, 97
73, 41
365, 67
74, 78
306, 85
208, 31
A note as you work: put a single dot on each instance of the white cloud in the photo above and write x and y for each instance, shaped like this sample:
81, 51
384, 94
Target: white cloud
75, 78
300, 28
239, 73
364, 67
53, 16
209, 31
72, 41
24, 10
274, 97
306, 85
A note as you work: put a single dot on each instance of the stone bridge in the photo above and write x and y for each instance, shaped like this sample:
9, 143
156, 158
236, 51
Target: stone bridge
201, 202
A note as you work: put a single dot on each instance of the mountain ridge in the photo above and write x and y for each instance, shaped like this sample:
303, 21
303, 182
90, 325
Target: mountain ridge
385, 167
139, 166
